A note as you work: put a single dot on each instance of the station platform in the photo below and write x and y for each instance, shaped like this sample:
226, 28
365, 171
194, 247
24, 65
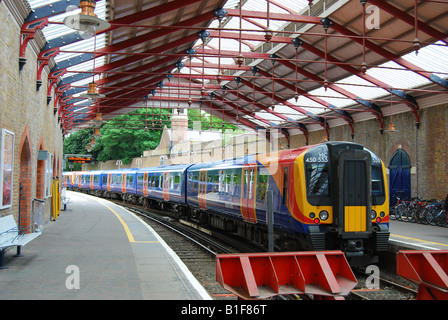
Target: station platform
97, 250
407, 235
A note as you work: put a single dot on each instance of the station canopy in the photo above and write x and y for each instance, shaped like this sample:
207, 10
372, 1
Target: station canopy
291, 65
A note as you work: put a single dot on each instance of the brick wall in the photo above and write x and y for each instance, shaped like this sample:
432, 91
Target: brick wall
427, 147
25, 112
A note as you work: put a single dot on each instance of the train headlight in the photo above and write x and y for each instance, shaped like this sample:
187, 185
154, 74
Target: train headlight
382, 214
312, 215
372, 214
323, 215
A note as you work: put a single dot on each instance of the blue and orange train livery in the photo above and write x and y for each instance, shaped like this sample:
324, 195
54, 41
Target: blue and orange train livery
326, 196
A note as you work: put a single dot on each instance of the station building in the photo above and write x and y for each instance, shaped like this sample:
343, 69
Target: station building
34, 116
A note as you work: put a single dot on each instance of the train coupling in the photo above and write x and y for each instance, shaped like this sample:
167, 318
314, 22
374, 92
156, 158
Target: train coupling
353, 248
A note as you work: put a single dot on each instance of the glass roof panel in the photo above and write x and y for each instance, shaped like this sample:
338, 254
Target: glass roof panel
57, 30
430, 58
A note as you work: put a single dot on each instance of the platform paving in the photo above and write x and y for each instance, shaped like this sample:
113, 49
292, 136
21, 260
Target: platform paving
108, 251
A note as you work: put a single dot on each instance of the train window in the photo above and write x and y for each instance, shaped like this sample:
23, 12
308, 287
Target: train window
96, 179
221, 183
104, 179
317, 178
235, 183
215, 183
377, 186
227, 182
209, 185
196, 183
245, 182
262, 186
156, 182
285, 185
251, 185
176, 181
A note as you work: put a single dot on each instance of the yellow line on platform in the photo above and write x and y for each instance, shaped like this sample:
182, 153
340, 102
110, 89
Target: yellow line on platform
420, 240
125, 226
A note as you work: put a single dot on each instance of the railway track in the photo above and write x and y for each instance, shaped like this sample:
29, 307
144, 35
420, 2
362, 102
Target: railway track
199, 237
199, 254
387, 289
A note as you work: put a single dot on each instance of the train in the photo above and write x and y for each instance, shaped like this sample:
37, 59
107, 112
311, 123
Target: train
328, 196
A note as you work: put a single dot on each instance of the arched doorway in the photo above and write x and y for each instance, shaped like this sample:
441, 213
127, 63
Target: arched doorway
24, 219
400, 176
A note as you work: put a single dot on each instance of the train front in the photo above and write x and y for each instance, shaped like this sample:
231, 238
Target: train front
346, 197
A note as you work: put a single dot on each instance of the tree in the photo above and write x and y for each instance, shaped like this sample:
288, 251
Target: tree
207, 120
127, 136
76, 143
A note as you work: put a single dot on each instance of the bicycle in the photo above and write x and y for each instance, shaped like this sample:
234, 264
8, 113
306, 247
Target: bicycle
395, 210
416, 210
436, 215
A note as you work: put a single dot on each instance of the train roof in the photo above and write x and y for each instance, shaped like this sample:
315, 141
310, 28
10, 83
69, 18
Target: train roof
247, 159
166, 168
125, 170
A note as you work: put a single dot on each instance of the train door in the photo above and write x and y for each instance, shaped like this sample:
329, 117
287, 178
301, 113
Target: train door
109, 179
166, 186
145, 184
248, 187
123, 183
355, 196
286, 179
202, 191
91, 181
354, 192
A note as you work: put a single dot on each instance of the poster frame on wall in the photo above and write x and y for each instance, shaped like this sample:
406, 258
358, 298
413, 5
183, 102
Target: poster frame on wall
6, 168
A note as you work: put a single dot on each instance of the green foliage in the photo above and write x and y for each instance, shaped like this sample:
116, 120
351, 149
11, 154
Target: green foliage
76, 143
207, 120
127, 136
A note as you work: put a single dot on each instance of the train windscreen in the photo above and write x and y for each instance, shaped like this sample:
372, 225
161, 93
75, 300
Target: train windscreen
378, 194
317, 174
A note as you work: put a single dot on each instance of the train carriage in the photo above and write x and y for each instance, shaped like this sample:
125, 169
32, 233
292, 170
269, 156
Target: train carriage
69, 179
119, 183
327, 196
166, 183
95, 180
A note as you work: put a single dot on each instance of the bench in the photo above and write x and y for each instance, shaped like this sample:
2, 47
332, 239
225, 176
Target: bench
10, 237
